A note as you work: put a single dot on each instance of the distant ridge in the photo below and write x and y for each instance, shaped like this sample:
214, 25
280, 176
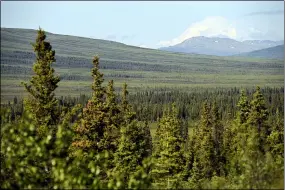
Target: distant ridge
276, 52
220, 46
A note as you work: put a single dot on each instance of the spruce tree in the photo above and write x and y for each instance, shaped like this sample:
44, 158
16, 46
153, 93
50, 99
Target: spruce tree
171, 161
133, 145
131, 151
258, 117
257, 169
218, 132
112, 120
276, 139
235, 136
41, 103
244, 108
204, 144
90, 129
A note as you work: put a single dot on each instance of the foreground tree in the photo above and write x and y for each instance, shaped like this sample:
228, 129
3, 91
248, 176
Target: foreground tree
244, 108
134, 143
170, 162
41, 103
258, 118
21, 146
218, 132
90, 129
112, 120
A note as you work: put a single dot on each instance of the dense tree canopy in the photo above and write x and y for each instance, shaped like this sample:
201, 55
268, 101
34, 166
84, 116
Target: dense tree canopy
206, 140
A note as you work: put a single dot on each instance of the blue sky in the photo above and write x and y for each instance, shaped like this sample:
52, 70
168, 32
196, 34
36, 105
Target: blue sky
149, 24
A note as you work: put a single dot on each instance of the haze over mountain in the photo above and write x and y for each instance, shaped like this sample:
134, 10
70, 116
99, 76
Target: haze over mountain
220, 46
276, 52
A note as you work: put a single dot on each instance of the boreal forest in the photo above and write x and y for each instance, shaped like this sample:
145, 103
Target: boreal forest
157, 138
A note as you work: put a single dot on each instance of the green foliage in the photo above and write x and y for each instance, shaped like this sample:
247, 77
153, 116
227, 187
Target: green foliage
204, 151
23, 162
23, 156
218, 131
258, 117
112, 120
46, 143
244, 108
134, 144
258, 113
276, 140
90, 128
171, 160
42, 103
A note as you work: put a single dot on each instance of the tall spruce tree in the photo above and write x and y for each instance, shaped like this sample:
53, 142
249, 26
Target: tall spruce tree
41, 103
204, 144
90, 129
218, 132
258, 117
112, 120
133, 145
171, 161
235, 136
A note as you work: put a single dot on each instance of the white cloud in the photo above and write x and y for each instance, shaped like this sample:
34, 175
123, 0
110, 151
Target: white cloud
210, 26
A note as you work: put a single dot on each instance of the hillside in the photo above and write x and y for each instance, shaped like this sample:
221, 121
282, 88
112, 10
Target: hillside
276, 52
220, 46
140, 67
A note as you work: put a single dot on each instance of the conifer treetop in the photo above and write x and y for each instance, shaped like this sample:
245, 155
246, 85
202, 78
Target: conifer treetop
98, 89
43, 84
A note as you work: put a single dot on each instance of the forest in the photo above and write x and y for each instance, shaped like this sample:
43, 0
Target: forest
165, 138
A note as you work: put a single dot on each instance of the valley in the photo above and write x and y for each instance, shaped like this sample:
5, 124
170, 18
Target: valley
141, 68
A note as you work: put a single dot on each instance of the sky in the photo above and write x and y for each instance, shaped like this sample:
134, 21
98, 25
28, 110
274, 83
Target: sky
149, 24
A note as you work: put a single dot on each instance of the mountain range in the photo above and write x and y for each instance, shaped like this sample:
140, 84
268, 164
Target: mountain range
221, 46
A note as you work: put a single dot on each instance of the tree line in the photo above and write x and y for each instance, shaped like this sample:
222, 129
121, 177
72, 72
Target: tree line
101, 142
149, 105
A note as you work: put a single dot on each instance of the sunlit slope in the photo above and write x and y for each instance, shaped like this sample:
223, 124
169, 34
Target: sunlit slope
139, 67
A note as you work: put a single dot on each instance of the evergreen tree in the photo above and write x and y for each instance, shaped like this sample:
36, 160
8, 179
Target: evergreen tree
197, 178
276, 139
21, 146
235, 136
90, 129
218, 132
112, 120
171, 161
204, 144
42, 103
131, 151
133, 144
258, 117
244, 108
257, 169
